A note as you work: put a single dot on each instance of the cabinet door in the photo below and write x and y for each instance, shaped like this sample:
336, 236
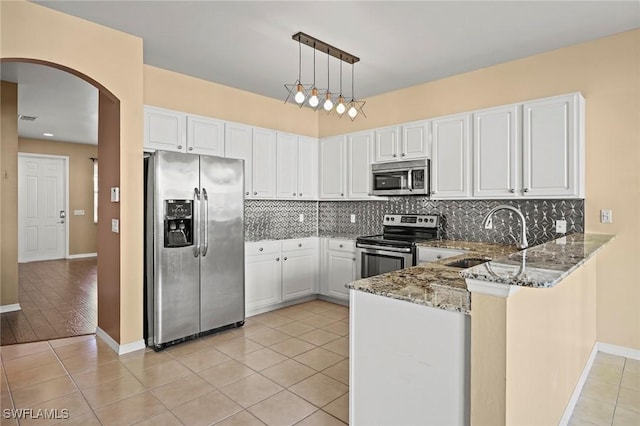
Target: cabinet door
359, 165
237, 144
262, 281
264, 163
387, 143
552, 157
450, 158
415, 140
164, 129
496, 157
307, 168
341, 270
287, 165
299, 274
332, 166
205, 136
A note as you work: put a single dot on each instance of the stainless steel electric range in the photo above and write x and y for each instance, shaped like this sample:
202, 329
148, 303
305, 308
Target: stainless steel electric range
396, 247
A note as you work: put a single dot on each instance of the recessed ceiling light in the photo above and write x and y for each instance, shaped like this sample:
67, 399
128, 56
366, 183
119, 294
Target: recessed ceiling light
47, 134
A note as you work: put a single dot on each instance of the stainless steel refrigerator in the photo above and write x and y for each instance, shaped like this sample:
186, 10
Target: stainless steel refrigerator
194, 246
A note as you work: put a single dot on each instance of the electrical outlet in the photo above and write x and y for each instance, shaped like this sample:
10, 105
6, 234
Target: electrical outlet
115, 194
78, 212
561, 226
353, 218
301, 217
606, 216
115, 225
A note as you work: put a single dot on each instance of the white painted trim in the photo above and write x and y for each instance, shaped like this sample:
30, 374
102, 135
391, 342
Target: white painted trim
575, 396
10, 308
608, 348
117, 348
82, 255
490, 288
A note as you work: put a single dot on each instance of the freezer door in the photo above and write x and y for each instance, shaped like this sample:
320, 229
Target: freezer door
222, 242
176, 269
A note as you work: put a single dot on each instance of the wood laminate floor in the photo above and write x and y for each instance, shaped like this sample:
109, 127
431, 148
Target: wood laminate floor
58, 299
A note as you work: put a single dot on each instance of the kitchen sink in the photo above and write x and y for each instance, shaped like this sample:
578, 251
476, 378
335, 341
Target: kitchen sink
467, 263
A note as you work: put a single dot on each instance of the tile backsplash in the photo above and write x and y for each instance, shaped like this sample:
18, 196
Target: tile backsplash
462, 218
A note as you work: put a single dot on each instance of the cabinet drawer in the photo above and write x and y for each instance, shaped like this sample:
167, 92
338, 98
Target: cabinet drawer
427, 254
262, 247
342, 245
300, 244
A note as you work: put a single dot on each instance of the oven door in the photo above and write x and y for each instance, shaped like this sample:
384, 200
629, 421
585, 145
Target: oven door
374, 260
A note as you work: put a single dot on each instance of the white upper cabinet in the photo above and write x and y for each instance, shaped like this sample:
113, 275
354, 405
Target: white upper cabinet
451, 166
387, 144
164, 129
415, 140
359, 165
264, 163
238, 143
553, 147
287, 161
332, 167
205, 136
307, 168
496, 152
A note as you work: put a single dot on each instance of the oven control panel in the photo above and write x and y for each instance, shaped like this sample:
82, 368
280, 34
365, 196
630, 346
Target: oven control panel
418, 221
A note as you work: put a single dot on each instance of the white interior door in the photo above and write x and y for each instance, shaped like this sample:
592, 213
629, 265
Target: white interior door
42, 201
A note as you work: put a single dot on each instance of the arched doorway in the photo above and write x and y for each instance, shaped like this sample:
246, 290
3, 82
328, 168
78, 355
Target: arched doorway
108, 280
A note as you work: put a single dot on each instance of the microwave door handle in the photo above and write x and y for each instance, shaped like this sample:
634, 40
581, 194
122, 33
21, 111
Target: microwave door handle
410, 180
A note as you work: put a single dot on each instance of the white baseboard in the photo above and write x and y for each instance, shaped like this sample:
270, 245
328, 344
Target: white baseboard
10, 308
82, 255
607, 348
118, 348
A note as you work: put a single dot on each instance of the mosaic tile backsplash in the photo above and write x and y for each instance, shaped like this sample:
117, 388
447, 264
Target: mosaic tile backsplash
275, 220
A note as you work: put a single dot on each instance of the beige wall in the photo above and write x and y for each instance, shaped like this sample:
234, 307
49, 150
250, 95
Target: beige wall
607, 72
83, 233
113, 61
179, 92
9, 194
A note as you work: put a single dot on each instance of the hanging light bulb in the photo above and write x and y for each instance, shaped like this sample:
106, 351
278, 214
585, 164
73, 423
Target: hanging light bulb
340, 108
299, 97
355, 106
328, 102
297, 90
313, 100
352, 112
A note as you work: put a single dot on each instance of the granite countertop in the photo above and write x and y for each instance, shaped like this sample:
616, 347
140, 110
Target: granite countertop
542, 266
433, 283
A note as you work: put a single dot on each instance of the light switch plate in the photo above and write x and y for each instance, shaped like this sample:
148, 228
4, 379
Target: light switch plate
353, 218
115, 226
301, 217
115, 194
78, 212
561, 226
606, 216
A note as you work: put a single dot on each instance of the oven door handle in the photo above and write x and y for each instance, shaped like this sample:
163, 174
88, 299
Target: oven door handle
410, 180
384, 248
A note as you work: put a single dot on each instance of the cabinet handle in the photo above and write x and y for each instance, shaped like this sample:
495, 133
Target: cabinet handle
255, 193
342, 194
179, 146
526, 190
285, 258
260, 249
294, 194
439, 256
190, 148
354, 259
300, 245
277, 259
402, 154
394, 156
511, 190
340, 245
300, 194
246, 193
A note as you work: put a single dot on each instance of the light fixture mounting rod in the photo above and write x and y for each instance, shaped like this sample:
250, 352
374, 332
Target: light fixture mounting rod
325, 47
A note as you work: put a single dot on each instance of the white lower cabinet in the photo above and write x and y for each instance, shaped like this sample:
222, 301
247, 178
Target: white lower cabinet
433, 254
339, 267
299, 268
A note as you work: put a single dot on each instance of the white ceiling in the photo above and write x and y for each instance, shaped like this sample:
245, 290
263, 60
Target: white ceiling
248, 45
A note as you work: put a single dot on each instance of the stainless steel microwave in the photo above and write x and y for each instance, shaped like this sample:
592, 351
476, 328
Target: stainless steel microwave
411, 177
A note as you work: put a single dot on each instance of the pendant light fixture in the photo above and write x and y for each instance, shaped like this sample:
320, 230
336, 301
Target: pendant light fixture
308, 94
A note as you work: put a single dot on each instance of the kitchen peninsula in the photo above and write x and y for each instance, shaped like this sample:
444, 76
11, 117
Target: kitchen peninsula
486, 351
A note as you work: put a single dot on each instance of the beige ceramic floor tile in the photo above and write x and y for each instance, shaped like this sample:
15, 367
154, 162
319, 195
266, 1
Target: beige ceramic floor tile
81, 347
609, 359
296, 313
295, 328
339, 346
269, 337
100, 374
624, 417
31, 376
203, 359
141, 360
319, 306
86, 419
631, 380
251, 328
318, 337
632, 366
629, 399
339, 371
186, 348
237, 347
226, 373
164, 419
162, 373
272, 319
337, 314
242, 418
339, 408
288, 373
251, 390
218, 338
319, 389
320, 418
113, 390
292, 347
318, 320
319, 358
74, 403
15, 351
206, 410
45, 391
182, 390
131, 410
261, 359
283, 408
87, 360
606, 373
594, 411
340, 328
71, 340
599, 391
574, 421
18, 365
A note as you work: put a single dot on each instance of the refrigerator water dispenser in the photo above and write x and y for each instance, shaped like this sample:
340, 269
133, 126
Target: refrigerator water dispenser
178, 223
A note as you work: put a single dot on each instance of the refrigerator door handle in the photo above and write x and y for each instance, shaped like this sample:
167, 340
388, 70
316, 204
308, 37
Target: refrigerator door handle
196, 213
205, 201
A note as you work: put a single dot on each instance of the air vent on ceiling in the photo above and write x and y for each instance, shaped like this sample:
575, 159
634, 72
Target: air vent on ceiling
27, 117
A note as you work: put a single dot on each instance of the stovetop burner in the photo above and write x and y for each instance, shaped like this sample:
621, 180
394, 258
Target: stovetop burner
404, 231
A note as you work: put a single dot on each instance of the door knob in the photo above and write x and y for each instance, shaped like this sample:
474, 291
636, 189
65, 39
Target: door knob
190, 148
255, 193
179, 146
277, 259
61, 221
285, 258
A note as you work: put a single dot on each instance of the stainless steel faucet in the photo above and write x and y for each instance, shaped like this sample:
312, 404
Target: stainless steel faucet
488, 223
